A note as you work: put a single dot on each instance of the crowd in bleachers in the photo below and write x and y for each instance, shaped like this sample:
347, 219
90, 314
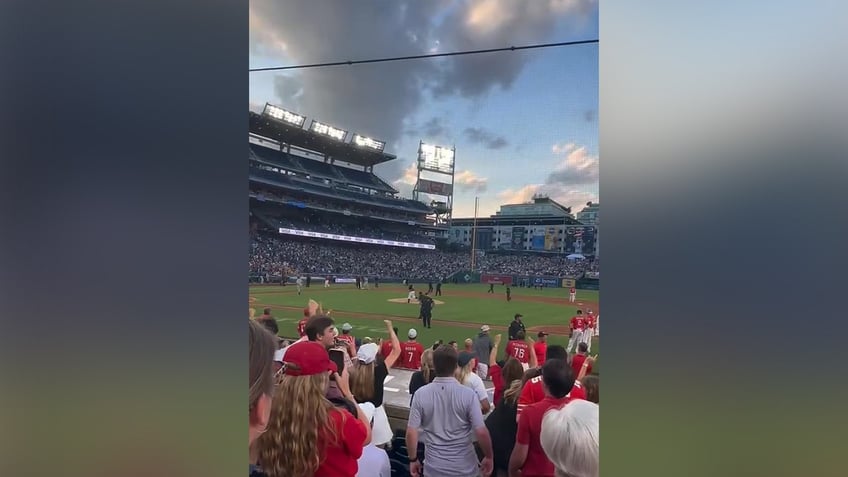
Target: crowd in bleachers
269, 252
316, 406
355, 208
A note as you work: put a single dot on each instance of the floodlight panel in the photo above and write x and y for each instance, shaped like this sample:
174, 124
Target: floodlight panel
436, 158
363, 141
277, 112
327, 130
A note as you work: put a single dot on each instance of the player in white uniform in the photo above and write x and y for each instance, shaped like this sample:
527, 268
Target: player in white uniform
326, 282
299, 282
365, 283
411, 296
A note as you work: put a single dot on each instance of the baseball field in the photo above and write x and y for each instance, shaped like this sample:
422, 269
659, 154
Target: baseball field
458, 313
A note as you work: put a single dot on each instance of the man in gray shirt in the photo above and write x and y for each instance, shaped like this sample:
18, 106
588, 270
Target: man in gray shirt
482, 349
447, 413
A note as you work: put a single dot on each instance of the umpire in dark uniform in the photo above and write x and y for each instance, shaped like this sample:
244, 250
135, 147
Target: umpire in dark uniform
426, 308
516, 326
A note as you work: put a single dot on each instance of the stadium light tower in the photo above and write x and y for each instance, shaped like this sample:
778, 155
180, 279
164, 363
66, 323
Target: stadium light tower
440, 160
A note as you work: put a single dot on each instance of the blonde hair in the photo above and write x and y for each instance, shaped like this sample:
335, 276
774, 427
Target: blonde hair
362, 380
299, 429
469, 343
512, 373
570, 438
428, 369
463, 372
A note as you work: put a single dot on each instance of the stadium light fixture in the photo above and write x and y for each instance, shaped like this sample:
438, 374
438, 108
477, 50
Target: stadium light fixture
436, 158
327, 130
363, 141
281, 114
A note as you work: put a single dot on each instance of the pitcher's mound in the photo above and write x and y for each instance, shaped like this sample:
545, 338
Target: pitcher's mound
413, 302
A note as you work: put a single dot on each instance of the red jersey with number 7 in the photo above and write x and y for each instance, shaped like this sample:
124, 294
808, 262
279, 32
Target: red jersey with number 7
410, 355
578, 323
518, 350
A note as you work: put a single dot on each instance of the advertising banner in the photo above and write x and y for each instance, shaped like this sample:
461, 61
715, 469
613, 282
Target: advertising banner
432, 187
345, 238
545, 281
551, 238
538, 242
568, 282
496, 279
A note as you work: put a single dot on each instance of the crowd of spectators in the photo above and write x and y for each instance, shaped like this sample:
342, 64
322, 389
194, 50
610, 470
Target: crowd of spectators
271, 253
313, 415
352, 207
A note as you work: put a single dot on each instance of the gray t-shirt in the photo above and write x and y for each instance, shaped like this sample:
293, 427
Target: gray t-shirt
482, 347
447, 413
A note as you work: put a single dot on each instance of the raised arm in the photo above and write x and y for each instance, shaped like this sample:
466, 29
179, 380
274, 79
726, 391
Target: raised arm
493, 354
534, 361
583, 369
391, 359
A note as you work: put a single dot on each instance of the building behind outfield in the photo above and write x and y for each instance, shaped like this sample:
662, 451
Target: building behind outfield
542, 225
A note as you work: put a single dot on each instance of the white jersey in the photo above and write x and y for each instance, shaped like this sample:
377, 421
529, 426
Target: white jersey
300, 282
411, 295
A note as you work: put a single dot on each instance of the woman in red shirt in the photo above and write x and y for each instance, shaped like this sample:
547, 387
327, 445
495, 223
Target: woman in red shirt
307, 435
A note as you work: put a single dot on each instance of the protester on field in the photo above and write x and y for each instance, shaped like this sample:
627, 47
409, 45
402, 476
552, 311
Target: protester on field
425, 375
374, 461
447, 416
528, 457
307, 434
570, 437
533, 390
366, 382
466, 377
482, 350
261, 349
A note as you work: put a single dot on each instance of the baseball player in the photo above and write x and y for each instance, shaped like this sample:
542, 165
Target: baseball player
326, 282
572, 294
589, 331
578, 324
411, 295
299, 282
365, 283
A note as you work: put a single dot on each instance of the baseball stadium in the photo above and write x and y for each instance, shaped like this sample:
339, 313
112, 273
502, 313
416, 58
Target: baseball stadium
325, 228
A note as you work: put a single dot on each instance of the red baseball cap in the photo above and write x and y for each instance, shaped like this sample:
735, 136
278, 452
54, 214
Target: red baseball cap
308, 358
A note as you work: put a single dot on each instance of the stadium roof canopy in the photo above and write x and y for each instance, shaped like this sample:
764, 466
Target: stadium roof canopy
516, 221
283, 132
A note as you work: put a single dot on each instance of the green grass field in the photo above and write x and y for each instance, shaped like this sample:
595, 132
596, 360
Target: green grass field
468, 306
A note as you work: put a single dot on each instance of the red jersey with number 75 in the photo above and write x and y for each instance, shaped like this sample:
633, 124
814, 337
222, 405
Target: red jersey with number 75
410, 355
518, 350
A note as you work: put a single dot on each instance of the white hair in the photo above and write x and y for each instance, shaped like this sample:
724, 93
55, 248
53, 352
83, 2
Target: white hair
570, 438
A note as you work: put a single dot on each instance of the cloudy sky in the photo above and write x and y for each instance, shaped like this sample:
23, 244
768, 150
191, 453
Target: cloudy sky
522, 122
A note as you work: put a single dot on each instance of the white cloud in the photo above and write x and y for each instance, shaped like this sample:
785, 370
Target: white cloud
467, 180
576, 167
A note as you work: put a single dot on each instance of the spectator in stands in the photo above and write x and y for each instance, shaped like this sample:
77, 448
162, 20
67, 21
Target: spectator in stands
386, 345
502, 423
261, 349
307, 434
411, 350
570, 437
348, 338
591, 385
447, 413
528, 455
534, 391
320, 329
504, 373
578, 361
482, 350
366, 382
374, 461
423, 376
269, 321
466, 377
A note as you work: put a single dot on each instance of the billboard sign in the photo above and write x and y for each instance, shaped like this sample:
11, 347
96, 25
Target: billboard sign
436, 188
517, 239
545, 281
496, 279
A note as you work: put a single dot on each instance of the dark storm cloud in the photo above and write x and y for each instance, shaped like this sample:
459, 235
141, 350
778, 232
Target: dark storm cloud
488, 139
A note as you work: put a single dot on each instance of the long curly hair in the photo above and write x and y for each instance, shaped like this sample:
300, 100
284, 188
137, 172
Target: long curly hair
300, 428
512, 374
428, 369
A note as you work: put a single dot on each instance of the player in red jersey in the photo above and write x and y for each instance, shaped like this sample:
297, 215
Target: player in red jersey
411, 351
589, 332
521, 350
534, 391
386, 346
578, 324
572, 294
541, 347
